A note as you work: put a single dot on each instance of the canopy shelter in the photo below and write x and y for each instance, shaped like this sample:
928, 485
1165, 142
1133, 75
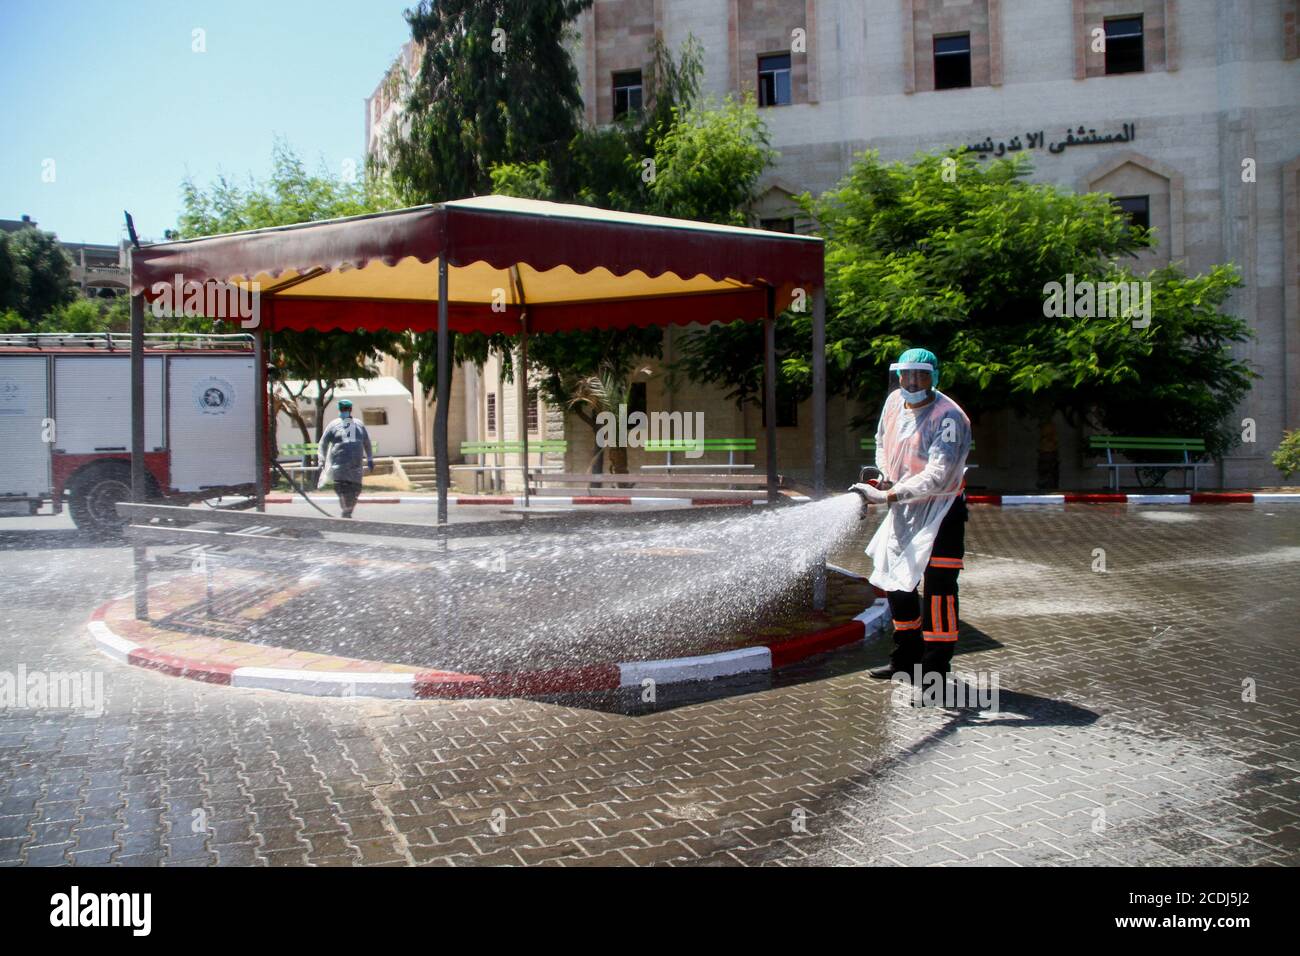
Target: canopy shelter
498, 264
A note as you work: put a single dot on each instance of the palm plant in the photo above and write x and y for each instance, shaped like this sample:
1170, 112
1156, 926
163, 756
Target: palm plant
590, 396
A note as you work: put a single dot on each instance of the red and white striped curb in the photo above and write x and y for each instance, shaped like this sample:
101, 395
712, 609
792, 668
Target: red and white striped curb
450, 684
1101, 497
540, 504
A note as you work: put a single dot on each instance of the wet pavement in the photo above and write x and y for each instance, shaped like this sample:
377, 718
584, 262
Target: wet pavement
1149, 713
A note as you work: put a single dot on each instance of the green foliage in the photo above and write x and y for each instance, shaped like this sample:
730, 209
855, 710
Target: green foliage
708, 161
1287, 457
958, 263
476, 115
679, 158
88, 315
567, 359
730, 356
290, 195
35, 275
473, 106
293, 195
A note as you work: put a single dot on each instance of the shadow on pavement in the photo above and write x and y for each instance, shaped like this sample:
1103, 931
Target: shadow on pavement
628, 701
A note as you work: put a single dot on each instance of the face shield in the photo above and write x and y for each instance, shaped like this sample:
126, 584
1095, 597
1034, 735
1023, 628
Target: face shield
913, 379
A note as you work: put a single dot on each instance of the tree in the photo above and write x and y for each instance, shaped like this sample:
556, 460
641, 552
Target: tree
35, 275
1286, 458
496, 85
680, 158
957, 256
590, 372
292, 194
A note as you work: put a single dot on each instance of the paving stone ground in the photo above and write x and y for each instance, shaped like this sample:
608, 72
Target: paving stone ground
1149, 714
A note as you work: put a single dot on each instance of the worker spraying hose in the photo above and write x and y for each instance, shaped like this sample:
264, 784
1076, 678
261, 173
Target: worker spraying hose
922, 442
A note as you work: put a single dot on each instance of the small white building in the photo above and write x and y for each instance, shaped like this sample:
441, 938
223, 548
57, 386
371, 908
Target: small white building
382, 404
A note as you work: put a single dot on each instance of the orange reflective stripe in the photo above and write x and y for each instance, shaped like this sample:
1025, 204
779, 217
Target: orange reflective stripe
952, 612
946, 563
907, 625
927, 636
935, 621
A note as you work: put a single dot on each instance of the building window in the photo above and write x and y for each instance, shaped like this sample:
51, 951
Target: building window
774, 80
374, 416
952, 62
534, 408
1124, 45
636, 398
777, 225
1137, 209
627, 93
491, 413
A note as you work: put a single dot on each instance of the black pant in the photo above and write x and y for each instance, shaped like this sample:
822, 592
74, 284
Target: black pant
347, 492
925, 632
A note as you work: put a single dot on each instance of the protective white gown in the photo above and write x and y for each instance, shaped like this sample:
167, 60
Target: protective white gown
923, 452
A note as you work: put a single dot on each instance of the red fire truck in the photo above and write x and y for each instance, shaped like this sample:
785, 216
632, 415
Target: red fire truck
66, 402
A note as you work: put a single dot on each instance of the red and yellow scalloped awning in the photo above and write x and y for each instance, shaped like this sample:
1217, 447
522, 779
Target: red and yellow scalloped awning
578, 268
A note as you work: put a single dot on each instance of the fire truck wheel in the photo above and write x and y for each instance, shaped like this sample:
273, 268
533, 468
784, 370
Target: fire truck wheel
93, 497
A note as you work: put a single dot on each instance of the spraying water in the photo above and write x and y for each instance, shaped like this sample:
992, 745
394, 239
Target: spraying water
658, 588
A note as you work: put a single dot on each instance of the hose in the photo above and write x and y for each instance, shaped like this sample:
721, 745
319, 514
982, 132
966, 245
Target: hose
297, 488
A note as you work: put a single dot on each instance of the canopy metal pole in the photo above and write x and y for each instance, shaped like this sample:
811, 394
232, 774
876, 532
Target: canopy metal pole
259, 414
138, 482
444, 394
769, 390
522, 381
819, 430
522, 378
819, 391
139, 554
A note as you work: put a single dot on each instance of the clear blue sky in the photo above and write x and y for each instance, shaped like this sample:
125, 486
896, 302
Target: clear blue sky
113, 93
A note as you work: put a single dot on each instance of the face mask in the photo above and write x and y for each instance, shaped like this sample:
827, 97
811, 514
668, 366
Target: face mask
345, 415
914, 398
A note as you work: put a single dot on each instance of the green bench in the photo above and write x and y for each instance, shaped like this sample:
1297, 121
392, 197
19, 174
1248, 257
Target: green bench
299, 450
482, 449
304, 451
541, 445
702, 445
311, 449
1150, 473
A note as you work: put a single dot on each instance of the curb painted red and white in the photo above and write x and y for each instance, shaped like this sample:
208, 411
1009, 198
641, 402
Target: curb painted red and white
1102, 497
450, 684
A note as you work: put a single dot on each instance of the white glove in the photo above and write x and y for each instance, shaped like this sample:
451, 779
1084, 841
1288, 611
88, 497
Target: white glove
873, 494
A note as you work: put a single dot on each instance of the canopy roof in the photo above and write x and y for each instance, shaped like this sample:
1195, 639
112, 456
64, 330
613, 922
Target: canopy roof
574, 267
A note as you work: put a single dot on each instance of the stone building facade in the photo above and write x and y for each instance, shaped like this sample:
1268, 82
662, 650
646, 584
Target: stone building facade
1187, 110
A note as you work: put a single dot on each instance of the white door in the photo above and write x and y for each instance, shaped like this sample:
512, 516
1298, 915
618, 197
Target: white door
211, 420
92, 400
24, 399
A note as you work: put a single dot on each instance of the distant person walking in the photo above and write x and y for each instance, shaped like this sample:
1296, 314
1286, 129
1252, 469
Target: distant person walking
341, 445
